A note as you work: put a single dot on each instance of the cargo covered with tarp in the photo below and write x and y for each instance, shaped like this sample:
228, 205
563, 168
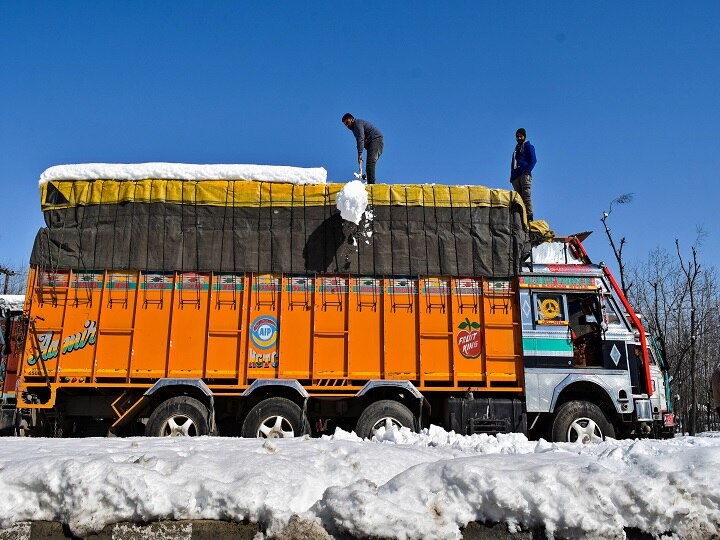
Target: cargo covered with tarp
167, 225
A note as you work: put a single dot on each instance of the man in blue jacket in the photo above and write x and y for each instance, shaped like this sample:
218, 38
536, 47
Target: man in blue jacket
368, 137
523, 161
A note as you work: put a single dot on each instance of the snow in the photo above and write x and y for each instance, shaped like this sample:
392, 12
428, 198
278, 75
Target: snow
184, 171
11, 302
401, 485
352, 201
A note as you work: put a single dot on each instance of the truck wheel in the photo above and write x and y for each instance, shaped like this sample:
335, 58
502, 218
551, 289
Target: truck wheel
180, 416
275, 418
384, 413
581, 421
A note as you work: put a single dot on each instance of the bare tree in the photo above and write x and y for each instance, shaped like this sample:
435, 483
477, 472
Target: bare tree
680, 302
13, 278
691, 273
618, 248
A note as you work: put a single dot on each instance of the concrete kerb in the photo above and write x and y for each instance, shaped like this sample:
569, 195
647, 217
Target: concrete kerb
226, 530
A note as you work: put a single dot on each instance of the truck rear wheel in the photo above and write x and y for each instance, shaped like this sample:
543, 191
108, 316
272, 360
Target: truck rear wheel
275, 418
384, 413
581, 421
180, 416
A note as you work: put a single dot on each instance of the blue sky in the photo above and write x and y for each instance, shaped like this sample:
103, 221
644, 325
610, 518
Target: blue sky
617, 97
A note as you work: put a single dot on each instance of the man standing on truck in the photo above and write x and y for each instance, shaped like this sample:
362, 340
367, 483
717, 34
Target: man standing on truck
368, 137
523, 161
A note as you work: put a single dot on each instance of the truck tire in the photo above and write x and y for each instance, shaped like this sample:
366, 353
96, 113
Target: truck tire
581, 421
180, 416
384, 413
275, 418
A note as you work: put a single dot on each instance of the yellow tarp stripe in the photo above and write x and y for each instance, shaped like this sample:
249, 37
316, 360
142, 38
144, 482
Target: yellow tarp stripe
265, 194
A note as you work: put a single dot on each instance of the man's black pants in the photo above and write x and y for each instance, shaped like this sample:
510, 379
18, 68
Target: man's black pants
374, 151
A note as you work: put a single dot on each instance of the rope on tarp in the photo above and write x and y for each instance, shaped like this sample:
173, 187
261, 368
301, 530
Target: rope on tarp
270, 231
259, 223
164, 234
147, 236
132, 225
425, 234
196, 230
407, 232
437, 233
454, 232
492, 236
390, 232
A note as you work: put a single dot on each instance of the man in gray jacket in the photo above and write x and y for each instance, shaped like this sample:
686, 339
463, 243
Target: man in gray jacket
367, 137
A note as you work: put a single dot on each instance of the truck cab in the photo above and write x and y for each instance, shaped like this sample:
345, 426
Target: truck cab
586, 375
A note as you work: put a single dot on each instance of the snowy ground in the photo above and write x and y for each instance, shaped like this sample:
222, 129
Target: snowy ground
405, 485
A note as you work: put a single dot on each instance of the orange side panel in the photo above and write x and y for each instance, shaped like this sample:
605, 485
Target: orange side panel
365, 330
134, 327
436, 337
151, 334
224, 358
400, 325
262, 341
189, 326
115, 327
295, 352
469, 337
502, 332
330, 327
80, 325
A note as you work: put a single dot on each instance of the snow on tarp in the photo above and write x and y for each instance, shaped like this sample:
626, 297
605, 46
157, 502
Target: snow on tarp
184, 171
352, 201
405, 486
10, 303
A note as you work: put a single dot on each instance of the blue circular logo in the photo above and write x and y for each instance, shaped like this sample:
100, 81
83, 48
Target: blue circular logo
264, 331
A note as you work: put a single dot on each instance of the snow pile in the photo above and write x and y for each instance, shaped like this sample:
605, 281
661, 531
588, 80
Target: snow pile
10, 303
352, 201
184, 171
403, 485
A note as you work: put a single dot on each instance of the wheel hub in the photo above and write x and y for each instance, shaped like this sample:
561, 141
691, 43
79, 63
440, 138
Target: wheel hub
584, 430
276, 427
180, 426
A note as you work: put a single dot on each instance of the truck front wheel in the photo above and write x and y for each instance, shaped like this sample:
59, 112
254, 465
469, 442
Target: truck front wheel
275, 418
180, 416
581, 421
384, 413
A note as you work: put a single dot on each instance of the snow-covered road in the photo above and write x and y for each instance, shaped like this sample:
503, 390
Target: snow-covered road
405, 485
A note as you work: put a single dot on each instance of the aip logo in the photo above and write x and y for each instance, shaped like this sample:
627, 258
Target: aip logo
263, 332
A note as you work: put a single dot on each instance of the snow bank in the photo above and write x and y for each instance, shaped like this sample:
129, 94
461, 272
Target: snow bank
352, 201
402, 485
184, 171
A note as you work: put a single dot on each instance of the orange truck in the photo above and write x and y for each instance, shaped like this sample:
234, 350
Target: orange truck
170, 307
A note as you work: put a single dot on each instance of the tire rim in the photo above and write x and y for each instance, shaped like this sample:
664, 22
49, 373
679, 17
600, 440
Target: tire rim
584, 430
275, 427
180, 425
388, 423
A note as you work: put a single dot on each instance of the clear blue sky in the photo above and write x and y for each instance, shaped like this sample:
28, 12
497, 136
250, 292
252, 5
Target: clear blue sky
617, 97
